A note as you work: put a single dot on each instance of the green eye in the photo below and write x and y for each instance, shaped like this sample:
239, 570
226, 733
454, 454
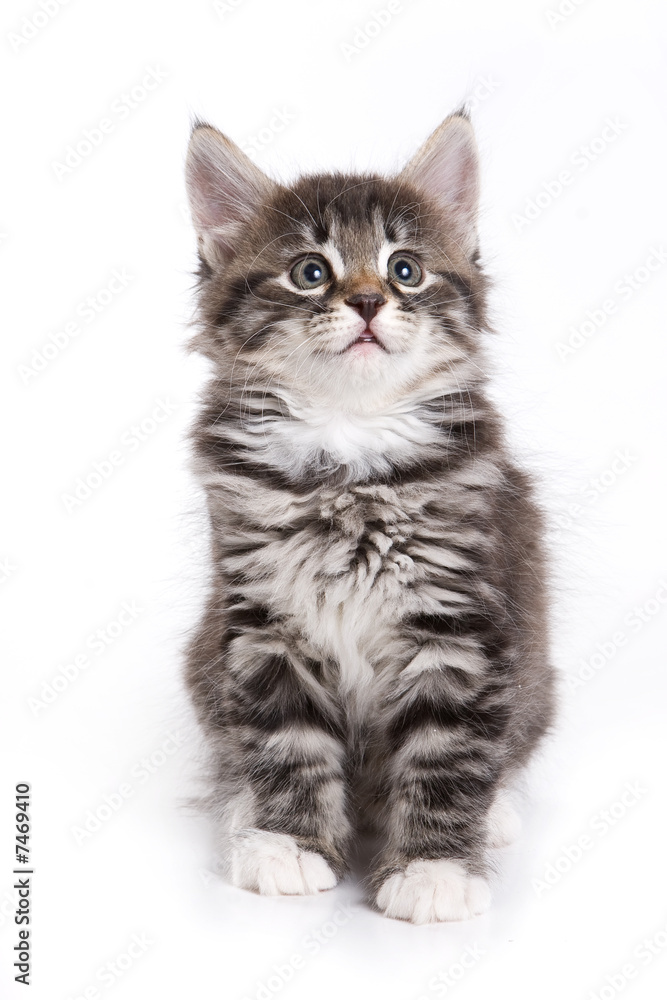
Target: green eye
310, 272
403, 267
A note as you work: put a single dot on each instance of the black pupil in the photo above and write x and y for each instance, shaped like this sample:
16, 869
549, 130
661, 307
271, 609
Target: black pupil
403, 269
312, 272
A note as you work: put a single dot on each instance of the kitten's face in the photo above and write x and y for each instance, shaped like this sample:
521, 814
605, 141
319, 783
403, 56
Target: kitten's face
349, 290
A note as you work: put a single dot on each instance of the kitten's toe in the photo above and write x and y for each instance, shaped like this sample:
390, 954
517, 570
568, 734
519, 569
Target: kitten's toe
273, 864
503, 822
316, 873
432, 891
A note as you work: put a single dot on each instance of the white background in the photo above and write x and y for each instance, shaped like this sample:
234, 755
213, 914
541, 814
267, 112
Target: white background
560, 927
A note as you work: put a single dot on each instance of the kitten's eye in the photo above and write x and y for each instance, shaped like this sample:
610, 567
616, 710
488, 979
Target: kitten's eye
404, 268
310, 272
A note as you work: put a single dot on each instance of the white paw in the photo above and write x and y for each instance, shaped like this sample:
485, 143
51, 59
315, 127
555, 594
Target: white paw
503, 823
430, 891
273, 864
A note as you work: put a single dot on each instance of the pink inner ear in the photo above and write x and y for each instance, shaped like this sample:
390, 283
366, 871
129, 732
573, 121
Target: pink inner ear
446, 168
223, 184
450, 175
216, 194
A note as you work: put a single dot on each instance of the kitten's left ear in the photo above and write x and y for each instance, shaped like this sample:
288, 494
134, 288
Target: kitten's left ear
446, 169
225, 189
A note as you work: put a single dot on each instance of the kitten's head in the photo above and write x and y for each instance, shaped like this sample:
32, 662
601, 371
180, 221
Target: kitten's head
351, 290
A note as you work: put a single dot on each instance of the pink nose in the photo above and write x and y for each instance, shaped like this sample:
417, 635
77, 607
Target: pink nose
366, 305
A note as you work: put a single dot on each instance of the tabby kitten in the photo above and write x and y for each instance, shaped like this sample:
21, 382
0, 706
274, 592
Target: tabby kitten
373, 652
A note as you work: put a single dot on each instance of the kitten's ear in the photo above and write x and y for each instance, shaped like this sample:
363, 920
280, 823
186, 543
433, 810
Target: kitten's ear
224, 188
446, 169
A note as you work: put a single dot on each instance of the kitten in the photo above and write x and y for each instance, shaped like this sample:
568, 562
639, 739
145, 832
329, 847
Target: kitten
374, 647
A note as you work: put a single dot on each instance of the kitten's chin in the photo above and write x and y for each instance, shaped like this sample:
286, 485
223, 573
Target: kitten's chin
365, 364
364, 348
364, 382
365, 357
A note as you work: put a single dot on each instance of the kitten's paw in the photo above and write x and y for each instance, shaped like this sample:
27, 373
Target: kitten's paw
503, 823
431, 891
273, 864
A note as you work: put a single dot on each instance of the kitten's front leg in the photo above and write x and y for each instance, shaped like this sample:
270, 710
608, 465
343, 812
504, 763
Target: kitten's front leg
281, 759
444, 757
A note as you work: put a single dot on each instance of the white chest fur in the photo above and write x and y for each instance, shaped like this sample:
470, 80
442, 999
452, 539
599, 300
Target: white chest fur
365, 442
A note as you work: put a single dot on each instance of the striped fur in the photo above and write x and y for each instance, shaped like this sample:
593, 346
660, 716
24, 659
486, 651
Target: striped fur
374, 649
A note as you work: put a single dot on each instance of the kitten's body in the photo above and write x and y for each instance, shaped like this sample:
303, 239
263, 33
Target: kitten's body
374, 645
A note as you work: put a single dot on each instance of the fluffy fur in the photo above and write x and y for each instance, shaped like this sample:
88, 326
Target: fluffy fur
374, 650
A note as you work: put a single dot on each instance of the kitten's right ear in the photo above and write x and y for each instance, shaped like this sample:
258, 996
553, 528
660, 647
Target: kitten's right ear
224, 188
446, 168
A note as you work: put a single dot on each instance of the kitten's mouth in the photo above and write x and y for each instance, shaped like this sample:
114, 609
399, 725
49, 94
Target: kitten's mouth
366, 337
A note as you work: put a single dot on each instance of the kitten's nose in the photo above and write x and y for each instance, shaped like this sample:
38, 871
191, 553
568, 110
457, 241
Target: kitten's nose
366, 304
